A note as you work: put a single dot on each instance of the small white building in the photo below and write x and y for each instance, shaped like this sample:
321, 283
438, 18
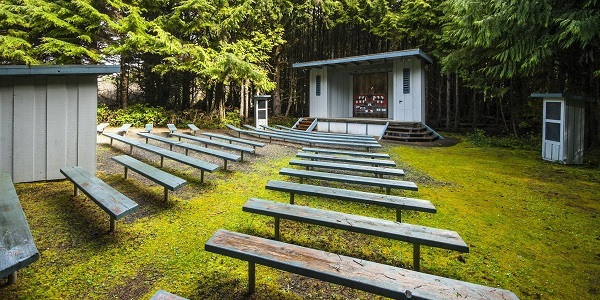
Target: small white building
48, 119
361, 94
563, 127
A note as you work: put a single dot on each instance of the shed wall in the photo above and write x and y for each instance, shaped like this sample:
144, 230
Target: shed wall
318, 104
47, 122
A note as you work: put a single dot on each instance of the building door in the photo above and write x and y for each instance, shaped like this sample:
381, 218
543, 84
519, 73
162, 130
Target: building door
553, 128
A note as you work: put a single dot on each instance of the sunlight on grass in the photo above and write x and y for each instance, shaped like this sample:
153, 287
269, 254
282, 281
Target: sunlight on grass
532, 228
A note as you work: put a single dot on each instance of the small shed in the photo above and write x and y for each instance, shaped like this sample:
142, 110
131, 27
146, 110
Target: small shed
48, 119
563, 132
261, 110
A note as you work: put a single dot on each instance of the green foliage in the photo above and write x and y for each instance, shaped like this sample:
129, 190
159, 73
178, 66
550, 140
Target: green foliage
138, 115
529, 142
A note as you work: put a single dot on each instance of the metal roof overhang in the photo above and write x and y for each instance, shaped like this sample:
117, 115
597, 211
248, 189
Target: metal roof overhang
561, 95
364, 59
16, 70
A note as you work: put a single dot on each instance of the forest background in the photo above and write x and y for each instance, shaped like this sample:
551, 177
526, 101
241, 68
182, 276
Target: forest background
205, 58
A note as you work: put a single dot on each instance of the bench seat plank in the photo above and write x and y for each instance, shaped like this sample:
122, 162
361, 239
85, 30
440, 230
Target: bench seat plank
17, 248
384, 280
233, 139
389, 201
371, 181
193, 128
364, 161
325, 134
172, 127
214, 143
347, 167
363, 139
414, 234
110, 200
164, 295
349, 153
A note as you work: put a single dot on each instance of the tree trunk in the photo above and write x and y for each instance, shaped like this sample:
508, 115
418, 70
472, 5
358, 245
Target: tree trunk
242, 102
277, 79
439, 102
475, 112
448, 98
123, 83
220, 98
456, 105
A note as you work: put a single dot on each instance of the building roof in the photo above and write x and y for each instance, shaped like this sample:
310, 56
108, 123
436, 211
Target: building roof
561, 95
15, 70
364, 59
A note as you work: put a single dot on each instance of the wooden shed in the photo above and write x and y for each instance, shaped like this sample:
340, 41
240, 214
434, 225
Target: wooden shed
48, 119
364, 94
563, 127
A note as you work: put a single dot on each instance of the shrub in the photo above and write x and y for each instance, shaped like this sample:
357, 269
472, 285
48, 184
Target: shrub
138, 115
527, 142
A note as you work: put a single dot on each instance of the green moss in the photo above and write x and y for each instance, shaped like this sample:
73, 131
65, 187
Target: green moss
532, 227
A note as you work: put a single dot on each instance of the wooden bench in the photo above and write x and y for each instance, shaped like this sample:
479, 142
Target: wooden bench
207, 142
348, 153
254, 144
388, 184
149, 127
167, 180
353, 160
164, 295
124, 129
115, 204
172, 128
187, 146
378, 171
304, 134
322, 133
396, 202
190, 161
17, 248
376, 278
417, 235
100, 128
193, 128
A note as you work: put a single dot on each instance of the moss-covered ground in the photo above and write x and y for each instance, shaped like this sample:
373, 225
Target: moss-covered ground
533, 227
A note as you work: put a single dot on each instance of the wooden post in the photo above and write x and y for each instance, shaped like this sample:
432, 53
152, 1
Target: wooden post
111, 141
162, 158
251, 277
398, 215
12, 278
186, 151
130, 149
416, 256
388, 190
277, 229
291, 198
242, 155
224, 164
113, 224
170, 147
75, 190
125, 172
201, 176
166, 194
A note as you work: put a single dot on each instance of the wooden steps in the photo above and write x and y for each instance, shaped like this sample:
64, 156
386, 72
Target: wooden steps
409, 132
304, 124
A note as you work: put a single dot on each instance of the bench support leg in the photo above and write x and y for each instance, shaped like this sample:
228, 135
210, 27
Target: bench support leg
277, 221
162, 159
111, 142
113, 224
242, 155
125, 172
225, 164
201, 176
166, 194
388, 190
398, 215
416, 257
251, 277
75, 190
130, 149
291, 198
12, 278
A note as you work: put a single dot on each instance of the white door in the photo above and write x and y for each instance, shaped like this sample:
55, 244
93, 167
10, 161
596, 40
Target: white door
552, 138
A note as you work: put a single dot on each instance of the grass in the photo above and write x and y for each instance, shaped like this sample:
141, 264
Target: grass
532, 227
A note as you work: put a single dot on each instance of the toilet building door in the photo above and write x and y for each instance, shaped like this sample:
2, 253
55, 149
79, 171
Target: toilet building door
553, 128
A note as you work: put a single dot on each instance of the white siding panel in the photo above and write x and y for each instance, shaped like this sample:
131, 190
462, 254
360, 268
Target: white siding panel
318, 104
24, 118
88, 99
6, 124
71, 116
39, 129
57, 126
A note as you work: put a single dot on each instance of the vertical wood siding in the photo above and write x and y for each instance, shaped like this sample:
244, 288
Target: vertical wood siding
47, 122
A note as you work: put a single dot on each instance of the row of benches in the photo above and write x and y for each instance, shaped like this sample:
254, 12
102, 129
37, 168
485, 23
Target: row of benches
380, 279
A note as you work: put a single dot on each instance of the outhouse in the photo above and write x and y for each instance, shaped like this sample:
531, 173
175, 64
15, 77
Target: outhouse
563, 129
364, 94
261, 110
48, 119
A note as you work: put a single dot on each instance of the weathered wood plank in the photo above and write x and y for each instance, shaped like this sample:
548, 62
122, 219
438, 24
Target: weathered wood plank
349, 153
110, 200
415, 234
17, 248
389, 201
364, 161
347, 167
380, 279
164, 295
370, 181
233, 139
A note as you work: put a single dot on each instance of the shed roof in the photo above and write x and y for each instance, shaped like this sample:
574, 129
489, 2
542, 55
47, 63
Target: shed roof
13, 70
561, 95
364, 59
